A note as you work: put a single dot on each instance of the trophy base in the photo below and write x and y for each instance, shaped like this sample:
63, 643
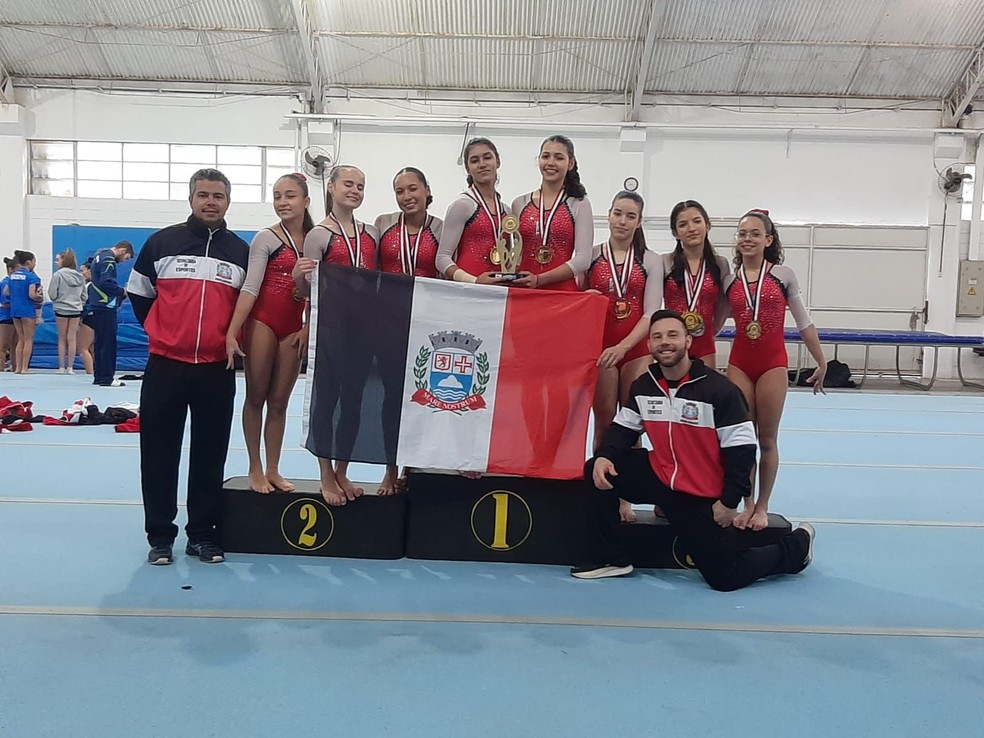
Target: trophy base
501, 277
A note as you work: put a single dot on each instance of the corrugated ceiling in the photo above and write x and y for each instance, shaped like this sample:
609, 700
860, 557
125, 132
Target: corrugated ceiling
906, 49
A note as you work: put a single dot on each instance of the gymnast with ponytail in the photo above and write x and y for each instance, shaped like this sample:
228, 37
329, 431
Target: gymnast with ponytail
555, 221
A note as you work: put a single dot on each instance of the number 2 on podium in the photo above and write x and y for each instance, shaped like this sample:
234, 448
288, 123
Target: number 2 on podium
309, 514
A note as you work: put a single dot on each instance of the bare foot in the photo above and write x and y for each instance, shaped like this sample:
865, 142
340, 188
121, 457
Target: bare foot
391, 482
658, 512
258, 482
760, 520
743, 518
625, 512
348, 489
471, 474
278, 482
332, 493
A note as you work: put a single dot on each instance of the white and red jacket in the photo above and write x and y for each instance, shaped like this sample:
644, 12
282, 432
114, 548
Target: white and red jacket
703, 441
184, 288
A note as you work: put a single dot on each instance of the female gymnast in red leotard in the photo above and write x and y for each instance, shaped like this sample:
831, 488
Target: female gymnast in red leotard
694, 279
759, 292
555, 221
631, 276
271, 309
473, 223
408, 242
343, 240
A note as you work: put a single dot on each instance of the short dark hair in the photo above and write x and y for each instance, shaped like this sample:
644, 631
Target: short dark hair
667, 314
209, 175
125, 245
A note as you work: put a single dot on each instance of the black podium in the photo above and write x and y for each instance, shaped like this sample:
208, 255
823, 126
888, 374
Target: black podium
448, 517
301, 523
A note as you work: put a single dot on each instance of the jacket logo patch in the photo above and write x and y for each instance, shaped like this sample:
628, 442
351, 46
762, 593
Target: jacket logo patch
651, 408
223, 271
690, 413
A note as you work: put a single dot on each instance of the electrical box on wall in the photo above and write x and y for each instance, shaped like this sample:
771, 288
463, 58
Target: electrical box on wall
970, 294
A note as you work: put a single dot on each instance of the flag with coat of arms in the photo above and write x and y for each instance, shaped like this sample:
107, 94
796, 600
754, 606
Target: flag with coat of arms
435, 374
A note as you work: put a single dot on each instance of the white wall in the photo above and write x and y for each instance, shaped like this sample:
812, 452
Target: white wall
818, 169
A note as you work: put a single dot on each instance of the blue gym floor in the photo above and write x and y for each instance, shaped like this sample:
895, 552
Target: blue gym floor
883, 635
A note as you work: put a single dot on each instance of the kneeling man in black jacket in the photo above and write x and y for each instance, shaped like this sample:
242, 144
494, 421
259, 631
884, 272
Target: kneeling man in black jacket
698, 471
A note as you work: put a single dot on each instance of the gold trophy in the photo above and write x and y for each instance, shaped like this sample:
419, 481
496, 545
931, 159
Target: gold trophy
508, 250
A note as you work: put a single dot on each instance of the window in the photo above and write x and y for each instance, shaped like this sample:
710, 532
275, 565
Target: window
152, 171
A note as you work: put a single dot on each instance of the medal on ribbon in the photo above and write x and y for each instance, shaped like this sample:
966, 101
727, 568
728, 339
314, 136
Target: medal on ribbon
620, 282
352, 244
408, 248
754, 329
295, 293
692, 287
545, 254
496, 221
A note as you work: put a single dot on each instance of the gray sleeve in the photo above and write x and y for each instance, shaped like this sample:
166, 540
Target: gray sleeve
652, 298
263, 244
519, 203
374, 234
316, 243
437, 227
454, 225
54, 285
384, 223
583, 237
723, 309
794, 298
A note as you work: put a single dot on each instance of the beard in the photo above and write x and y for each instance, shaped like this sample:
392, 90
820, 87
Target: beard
673, 359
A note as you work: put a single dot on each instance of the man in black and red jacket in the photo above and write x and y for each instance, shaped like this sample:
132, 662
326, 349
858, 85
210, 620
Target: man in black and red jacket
698, 471
184, 287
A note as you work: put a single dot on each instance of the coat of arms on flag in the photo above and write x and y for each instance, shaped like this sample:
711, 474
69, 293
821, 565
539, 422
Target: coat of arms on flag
451, 375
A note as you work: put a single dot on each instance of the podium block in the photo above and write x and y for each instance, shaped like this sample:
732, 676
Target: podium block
300, 523
533, 521
530, 521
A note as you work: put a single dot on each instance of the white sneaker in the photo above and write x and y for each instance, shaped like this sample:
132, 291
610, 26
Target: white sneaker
114, 383
61, 370
811, 533
70, 370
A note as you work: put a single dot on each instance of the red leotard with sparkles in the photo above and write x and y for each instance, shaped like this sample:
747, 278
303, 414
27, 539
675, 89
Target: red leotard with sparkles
675, 298
275, 306
337, 252
389, 251
561, 240
476, 243
600, 278
756, 357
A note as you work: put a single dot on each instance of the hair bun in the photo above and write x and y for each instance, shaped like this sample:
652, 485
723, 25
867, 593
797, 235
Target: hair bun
763, 211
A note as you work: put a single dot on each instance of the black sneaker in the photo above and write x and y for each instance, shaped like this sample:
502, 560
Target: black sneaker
602, 571
161, 555
205, 551
811, 534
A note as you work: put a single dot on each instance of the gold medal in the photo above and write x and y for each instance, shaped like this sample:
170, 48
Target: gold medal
297, 295
544, 255
510, 224
693, 322
622, 308
754, 330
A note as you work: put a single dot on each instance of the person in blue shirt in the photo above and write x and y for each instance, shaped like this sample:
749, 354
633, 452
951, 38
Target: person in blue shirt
25, 306
105, 296
8, 337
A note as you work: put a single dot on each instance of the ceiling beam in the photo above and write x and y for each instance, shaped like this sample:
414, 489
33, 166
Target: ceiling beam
965, 90
656, 10
6, 87
305, 32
